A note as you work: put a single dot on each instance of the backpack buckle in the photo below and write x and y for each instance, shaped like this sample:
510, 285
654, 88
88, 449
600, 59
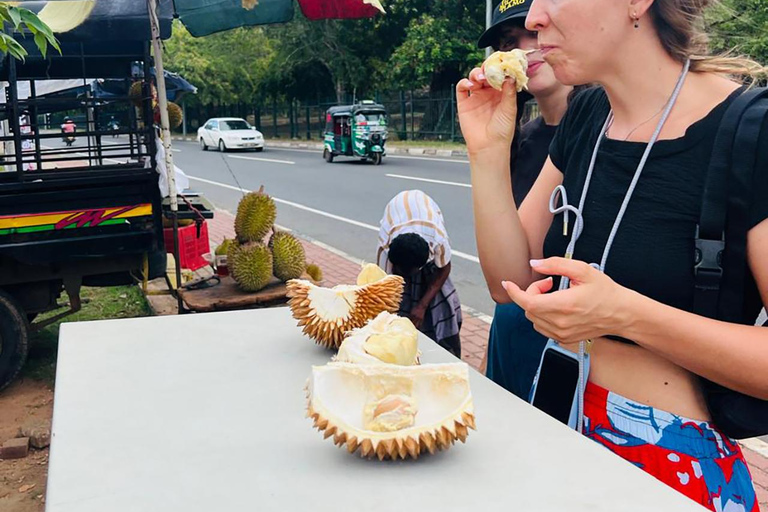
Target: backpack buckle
708, 259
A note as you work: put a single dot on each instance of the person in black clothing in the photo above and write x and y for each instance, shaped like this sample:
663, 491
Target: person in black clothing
626, 171
514, 347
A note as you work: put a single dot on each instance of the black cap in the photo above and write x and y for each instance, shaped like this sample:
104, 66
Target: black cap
506, 10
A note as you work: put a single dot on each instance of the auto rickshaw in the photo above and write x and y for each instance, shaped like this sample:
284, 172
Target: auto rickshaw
358, 130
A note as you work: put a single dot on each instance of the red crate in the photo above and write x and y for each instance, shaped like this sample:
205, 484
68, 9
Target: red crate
192, 247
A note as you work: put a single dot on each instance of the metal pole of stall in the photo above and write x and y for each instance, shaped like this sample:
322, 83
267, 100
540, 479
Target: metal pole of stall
162, 101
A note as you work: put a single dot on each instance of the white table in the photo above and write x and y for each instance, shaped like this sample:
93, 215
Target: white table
206, 413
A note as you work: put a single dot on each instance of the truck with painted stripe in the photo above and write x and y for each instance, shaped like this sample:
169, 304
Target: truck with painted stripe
89, 213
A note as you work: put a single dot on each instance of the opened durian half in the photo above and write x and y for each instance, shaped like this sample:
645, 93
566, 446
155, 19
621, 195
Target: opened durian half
391, 412
388, 338
327, 314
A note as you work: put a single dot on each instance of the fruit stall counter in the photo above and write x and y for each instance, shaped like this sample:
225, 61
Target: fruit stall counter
208, 412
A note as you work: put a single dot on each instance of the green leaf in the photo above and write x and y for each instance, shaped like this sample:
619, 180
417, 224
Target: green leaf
42, 43
15, 16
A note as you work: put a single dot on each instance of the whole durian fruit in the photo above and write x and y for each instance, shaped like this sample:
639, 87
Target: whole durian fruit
175, 115
288, 254
250, 265
256, 214
315, 272
224, 246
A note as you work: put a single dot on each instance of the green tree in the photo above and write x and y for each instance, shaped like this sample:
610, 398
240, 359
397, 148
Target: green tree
742, 26
227, 68
20, 19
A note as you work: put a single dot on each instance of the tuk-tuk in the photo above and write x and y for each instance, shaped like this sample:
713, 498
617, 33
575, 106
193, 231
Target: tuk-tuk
358, 130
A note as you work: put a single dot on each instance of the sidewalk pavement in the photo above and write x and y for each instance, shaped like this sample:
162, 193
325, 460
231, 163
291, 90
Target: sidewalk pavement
339, 268
391, 150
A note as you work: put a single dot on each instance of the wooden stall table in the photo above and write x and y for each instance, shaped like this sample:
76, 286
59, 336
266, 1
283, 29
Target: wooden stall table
202, 413
227, 296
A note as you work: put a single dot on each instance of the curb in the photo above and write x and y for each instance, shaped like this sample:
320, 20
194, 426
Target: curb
445, 153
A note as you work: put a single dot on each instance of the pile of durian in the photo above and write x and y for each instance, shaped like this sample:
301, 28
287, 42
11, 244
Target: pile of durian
259, 250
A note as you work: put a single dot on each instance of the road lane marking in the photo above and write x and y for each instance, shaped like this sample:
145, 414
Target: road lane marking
429, 158
298, 206
263, 159
454, 183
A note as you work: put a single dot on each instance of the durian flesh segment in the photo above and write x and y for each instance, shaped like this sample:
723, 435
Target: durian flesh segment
393, 412
370, 274
339, 392
500, 65
388, 338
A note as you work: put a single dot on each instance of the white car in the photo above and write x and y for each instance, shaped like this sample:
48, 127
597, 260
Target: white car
227, 133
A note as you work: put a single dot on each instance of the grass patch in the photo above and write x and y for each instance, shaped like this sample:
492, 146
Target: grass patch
98, 304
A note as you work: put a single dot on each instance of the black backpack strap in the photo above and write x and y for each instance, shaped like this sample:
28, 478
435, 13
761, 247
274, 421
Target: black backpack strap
727, 185
735, 269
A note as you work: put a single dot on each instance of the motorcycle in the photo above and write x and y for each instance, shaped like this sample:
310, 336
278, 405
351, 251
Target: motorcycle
68, 139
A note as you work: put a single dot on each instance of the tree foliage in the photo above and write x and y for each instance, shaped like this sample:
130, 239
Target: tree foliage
416, 44
19, 20
742, 26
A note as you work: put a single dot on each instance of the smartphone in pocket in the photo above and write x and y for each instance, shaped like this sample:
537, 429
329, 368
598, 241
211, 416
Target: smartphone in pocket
555, 389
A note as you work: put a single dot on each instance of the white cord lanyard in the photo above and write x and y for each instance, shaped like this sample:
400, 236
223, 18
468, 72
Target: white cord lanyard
565, 208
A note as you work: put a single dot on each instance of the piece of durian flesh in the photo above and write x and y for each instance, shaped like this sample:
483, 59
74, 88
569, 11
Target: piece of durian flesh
500, 65
370, 273
391, 412
388, 338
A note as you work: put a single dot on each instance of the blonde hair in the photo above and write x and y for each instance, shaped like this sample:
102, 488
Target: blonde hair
680, 27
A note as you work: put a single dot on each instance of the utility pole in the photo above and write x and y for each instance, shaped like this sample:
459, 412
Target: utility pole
488, 12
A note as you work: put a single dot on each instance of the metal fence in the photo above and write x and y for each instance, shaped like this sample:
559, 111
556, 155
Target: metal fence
413, 115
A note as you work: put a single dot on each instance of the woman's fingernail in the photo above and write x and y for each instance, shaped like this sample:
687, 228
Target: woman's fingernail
471, 83
535, 263
481, 76
504, 284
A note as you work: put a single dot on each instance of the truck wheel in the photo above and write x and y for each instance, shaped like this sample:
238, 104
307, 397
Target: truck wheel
14, 339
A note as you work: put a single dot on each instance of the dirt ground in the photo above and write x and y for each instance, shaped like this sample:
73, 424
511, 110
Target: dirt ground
29, 400
22, 481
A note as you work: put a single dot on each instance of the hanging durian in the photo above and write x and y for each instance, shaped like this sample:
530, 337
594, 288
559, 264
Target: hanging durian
256, 214
388, 338
391, 412
250, 265
175, 115
288, 254
326, 314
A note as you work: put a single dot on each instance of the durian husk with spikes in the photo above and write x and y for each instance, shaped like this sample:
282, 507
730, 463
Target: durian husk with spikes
255, 217
326, 314
338, 394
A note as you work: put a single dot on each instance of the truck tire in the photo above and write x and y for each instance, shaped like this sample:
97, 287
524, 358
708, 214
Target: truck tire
14, 339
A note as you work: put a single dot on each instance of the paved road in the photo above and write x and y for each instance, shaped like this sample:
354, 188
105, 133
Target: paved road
341, 203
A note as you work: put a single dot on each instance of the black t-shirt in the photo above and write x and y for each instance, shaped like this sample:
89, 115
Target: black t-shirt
653, 249
531, 153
